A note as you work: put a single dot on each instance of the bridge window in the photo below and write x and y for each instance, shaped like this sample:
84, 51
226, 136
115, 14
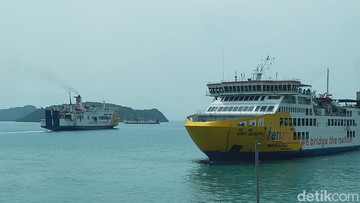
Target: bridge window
270, 108
263, 108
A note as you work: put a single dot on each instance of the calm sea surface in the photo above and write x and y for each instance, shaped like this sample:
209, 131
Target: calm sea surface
151, 163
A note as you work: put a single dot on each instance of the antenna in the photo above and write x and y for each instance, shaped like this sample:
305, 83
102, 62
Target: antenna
327, 83
70, 97
223, 72
235, 76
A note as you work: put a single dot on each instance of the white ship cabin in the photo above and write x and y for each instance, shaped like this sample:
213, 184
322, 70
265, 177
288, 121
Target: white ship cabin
257, 97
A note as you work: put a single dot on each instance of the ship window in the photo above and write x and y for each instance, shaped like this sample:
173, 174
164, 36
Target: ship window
299, 135
230, 89
307, 135
290, 122
241, 108
281, 121
220, 108
231, 99
251, 98
303, 135
274, 97
285, 121
262, 98
270, 109
241, 98
236, 99
226, 108
251, 108
307, 122
235, 108
227, 98
258, 88
299, 122
257, 98
294, 121
238, 88
246, 108
257, 108
276, 88
246, 88
294, 135
95, 118
242, 88
263, 108
230, 108
209, 109
246, 98
226, 88
311, 122
303, 121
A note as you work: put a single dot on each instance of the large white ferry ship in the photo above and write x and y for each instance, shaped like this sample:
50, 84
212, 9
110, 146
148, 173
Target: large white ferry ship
285, 116
80, 117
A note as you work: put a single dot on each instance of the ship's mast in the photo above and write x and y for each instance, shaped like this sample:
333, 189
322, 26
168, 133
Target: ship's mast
259, 71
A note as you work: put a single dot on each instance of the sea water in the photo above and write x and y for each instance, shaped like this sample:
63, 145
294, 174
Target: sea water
153, 163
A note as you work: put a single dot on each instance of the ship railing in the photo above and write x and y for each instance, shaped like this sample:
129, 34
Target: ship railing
254, 80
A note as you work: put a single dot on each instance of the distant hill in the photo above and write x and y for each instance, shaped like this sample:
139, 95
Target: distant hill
35, 115
13, 114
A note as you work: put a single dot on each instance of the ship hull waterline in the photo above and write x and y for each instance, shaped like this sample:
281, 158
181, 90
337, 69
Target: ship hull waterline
76, 128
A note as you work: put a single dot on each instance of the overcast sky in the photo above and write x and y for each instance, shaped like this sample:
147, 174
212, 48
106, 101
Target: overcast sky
162, 53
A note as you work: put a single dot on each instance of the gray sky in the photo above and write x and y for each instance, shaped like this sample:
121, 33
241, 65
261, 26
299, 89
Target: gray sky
161, 53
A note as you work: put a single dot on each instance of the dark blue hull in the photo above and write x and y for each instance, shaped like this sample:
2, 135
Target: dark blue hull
75, 128
250, 156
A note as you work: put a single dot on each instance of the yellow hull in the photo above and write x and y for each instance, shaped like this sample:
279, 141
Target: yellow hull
236, 138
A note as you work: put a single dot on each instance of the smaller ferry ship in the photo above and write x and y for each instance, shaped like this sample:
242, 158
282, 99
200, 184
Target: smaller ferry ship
284, 115
80, 117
